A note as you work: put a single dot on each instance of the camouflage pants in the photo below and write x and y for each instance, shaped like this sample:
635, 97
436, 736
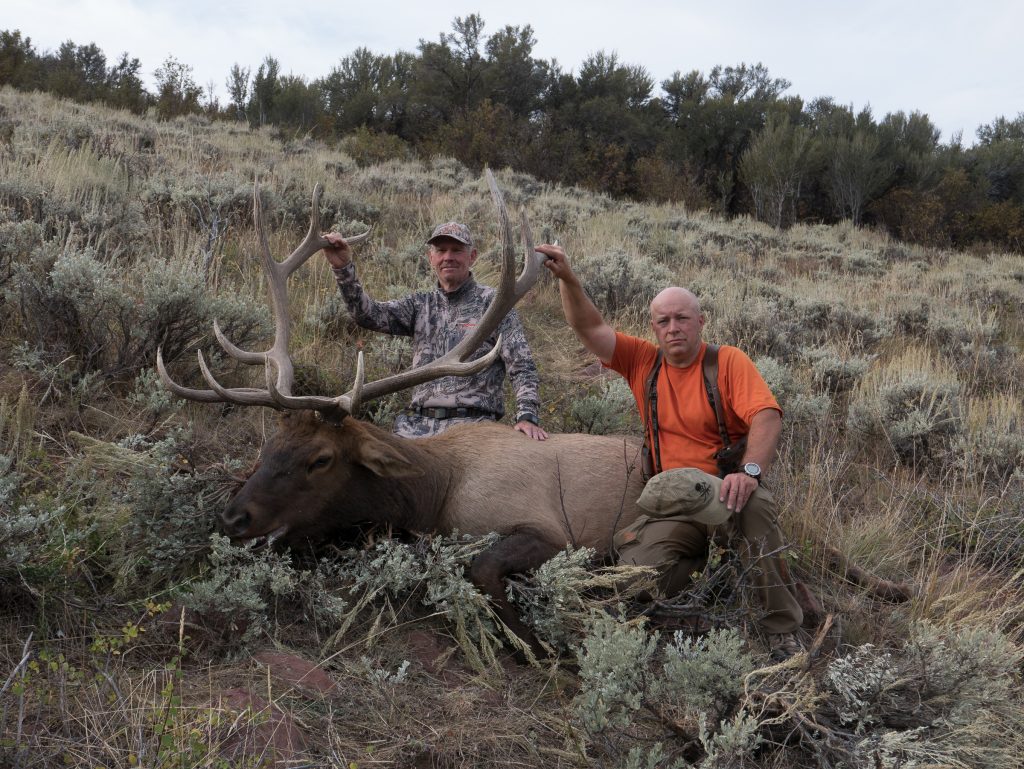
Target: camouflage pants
416, 426
678, 547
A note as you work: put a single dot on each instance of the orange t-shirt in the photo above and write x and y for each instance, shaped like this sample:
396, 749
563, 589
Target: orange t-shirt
687, 427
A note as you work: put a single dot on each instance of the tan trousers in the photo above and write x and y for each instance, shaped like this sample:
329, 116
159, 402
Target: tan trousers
678, 547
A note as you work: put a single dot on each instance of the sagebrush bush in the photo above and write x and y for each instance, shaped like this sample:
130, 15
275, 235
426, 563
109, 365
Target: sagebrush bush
609, 411
109, 320
172, 513
947, 697
614, 660
434, 570
616, 280
799, 405
42, 546
256, 589
835, 371
704, 675
992, 443
913, 403
369, 148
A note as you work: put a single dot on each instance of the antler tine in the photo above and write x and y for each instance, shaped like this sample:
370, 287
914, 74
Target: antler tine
188, 393
532, 263
238, 353
245, 396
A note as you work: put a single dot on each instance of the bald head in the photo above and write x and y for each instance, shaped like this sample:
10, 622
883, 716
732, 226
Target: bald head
674, 296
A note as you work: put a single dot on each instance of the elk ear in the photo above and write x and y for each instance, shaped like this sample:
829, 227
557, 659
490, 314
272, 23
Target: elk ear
383, 460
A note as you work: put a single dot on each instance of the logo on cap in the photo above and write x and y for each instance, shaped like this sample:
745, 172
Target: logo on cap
685, 492
453, 230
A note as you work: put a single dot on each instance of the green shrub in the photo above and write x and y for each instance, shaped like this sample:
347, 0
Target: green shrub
614, 660
172, 513
617, 281
368, 147
947, 697
913, 403
109, 320
834, 371
609, 411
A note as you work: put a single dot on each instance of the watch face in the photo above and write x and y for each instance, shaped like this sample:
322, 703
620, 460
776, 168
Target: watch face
752, 469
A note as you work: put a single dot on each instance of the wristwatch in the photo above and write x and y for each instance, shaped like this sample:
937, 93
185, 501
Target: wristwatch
528, 418
753, 470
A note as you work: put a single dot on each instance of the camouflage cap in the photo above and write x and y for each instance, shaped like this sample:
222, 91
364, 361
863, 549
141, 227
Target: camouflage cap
687, 492
453, 230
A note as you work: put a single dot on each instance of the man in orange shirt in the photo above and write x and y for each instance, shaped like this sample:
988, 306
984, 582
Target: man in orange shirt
688, 503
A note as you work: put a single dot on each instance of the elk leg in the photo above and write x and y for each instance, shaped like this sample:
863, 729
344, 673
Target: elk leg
514, 554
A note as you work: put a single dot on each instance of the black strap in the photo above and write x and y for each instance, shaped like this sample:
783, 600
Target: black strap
454, 412
711, 387
653, 467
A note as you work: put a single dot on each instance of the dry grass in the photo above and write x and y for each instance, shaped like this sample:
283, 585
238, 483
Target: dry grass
848, 317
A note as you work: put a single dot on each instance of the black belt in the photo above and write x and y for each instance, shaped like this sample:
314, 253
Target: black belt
449, 413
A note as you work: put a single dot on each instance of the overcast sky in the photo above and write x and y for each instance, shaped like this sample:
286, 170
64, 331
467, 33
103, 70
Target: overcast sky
962, 63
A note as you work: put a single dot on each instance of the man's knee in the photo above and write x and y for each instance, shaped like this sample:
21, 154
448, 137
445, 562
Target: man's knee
759, 518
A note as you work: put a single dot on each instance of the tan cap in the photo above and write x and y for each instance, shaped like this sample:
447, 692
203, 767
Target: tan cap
686, 492
454, 230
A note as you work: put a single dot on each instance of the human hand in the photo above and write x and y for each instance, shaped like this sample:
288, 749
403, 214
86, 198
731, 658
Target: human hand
338, 253
531, 430
737, 488
556, 261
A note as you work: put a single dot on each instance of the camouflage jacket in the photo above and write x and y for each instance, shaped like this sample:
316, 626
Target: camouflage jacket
437, 321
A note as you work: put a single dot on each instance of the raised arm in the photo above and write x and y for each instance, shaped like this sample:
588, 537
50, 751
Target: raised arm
396, 317
580, 313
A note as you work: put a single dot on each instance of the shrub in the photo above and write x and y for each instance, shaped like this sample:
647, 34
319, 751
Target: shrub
368, 147
110, 321
704, 674
172, 512
611, 410
614, 660
17, 242
913, 403
617, 281
992, 443
946, 697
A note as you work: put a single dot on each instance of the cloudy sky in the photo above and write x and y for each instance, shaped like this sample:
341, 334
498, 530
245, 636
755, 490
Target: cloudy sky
962, 63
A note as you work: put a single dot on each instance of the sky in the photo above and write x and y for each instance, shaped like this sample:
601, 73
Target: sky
961, 63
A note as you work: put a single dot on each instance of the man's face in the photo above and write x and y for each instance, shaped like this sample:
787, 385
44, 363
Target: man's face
451, 261
677, 323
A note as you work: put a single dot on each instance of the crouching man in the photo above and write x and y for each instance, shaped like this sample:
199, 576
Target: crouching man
688, 504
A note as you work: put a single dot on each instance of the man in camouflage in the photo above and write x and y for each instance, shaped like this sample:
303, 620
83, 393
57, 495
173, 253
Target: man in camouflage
437, 320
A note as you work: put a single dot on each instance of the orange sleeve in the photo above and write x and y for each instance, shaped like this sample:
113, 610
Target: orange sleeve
743, 388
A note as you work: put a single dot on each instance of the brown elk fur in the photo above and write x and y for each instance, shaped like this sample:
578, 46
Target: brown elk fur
316, 478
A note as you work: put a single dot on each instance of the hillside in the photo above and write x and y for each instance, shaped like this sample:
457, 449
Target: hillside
131, 636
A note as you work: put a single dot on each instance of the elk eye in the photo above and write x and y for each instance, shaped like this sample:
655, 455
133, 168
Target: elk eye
319, 462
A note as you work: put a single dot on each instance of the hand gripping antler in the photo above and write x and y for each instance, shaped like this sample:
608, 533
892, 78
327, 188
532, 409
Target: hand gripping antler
278, 393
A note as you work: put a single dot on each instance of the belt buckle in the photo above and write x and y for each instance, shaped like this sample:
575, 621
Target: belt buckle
440, 413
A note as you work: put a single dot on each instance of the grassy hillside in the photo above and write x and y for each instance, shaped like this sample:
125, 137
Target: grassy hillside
131, 635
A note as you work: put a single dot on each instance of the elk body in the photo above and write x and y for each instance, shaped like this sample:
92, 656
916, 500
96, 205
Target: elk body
325, 470
316, 478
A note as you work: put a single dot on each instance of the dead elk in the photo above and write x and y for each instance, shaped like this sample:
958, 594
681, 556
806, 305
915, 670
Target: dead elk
324, 470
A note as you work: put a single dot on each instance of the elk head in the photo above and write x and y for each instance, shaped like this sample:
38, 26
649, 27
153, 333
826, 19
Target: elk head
326, 462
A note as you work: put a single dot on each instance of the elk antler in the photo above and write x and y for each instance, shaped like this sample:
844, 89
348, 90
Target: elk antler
278, 392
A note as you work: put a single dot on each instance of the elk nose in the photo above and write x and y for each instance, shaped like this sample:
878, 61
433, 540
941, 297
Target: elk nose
235, 520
